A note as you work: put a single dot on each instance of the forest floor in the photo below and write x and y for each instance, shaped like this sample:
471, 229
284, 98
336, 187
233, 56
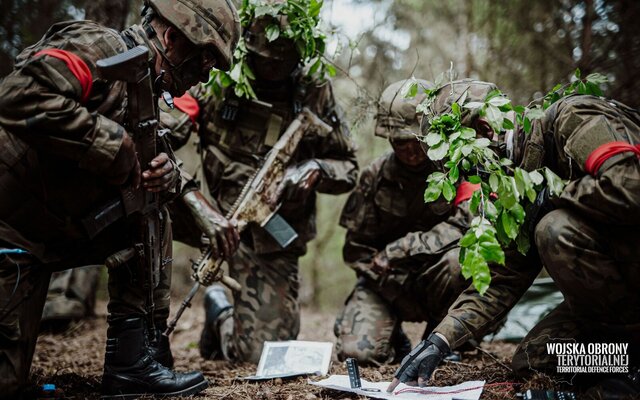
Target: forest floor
73, 360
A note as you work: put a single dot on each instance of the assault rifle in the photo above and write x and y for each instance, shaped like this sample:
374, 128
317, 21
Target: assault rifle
132, 67
255, 204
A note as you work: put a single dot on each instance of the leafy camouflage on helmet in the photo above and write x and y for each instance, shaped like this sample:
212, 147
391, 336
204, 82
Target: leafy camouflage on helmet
213, 23
258, 39
397, 117
460, 91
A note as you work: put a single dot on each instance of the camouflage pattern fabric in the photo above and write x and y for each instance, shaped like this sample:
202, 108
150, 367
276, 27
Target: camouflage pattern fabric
386, 213
235, 134
267, 306
588, 244
71, 294
53, 162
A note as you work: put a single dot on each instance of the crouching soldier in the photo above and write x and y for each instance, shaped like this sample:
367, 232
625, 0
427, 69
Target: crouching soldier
404, 252
66, 150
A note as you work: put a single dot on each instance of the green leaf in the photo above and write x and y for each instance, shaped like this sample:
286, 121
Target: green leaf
494, 117
467, 133
473, 105
466, 165
554, 183
438, 152
331, 70
509, 224
577, 73
507, 124
433, 139
490, 210
454, 173
468, 239
492, 252
409, 89
499, 101
536, 177
455, 108
527, 125
432, 192
535, 113
475, 179
272, 32
448, 191
494, 182
517, 211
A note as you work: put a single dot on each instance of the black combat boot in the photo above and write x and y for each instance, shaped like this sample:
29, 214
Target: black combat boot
160, 348
216, 308
130, 371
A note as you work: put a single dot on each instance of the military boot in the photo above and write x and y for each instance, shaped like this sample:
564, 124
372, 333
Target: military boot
217, 308
160, 348
130, 371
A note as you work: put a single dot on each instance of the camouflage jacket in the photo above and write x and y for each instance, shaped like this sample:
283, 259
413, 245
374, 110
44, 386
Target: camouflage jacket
237, 133
56, 147
571, 129
386, 212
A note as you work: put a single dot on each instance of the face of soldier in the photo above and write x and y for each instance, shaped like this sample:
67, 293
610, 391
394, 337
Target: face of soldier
185, 64
409, 152
272, 69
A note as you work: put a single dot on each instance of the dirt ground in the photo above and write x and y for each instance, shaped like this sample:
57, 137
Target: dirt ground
73, 361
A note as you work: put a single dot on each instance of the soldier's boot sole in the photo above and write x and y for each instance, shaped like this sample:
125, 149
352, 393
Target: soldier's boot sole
195, 389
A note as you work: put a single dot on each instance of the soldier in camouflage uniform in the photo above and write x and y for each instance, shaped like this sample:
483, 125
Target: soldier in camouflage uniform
65, 152
235, 133
588, 243
400, 276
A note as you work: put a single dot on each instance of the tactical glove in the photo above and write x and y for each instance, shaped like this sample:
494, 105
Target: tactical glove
125, 168
222, 233
299, 181
418, 366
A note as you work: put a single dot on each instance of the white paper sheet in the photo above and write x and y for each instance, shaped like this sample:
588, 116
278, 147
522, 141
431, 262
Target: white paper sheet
465, 391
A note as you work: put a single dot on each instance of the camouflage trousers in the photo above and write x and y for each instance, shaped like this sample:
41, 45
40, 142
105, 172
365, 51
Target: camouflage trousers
23, 289
368, 327
267, 306
71, 294
597, 269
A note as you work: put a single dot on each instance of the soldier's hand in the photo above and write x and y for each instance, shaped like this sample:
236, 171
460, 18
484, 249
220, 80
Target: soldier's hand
299, 181
418, 366
161, 175
125, 168
380, 263
222, 233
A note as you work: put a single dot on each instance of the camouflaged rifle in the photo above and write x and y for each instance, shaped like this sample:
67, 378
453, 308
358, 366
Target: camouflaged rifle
255, 204
132, 67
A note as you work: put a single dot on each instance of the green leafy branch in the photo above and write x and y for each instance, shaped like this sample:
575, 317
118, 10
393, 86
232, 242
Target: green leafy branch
303, 17
506, 193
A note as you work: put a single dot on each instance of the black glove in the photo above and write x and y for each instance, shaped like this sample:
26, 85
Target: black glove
418, 365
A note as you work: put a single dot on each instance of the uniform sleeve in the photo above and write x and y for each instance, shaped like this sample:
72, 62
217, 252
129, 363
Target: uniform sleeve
473, 315
435, 241
336, 153
360, 219
40, 103
612, 195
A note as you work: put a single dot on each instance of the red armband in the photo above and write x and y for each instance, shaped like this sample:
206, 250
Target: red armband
77, 67
188, 105
465, 191
604, 152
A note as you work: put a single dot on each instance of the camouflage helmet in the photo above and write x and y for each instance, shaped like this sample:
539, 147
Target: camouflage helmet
459, 91
397, 118
257, 42
213, 23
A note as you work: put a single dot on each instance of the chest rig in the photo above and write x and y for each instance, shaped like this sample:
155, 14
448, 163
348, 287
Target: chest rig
248, 128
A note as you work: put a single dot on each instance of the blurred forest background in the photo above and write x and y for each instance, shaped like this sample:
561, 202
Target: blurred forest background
526, 47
